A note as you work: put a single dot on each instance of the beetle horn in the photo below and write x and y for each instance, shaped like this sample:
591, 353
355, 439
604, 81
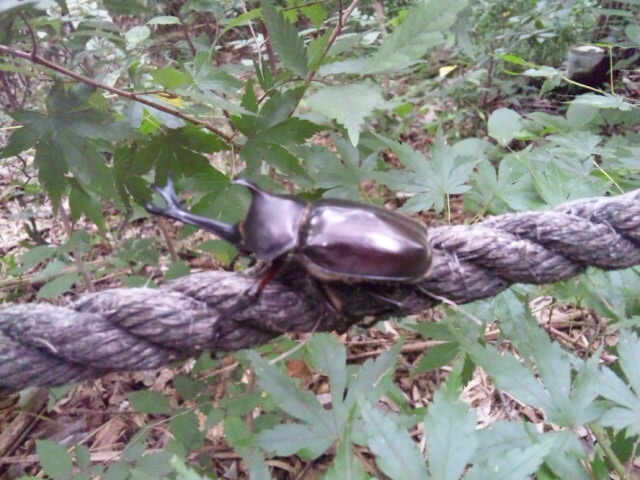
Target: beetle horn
226, 231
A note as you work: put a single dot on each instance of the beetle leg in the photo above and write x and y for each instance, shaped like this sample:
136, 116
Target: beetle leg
388, 300
245, 300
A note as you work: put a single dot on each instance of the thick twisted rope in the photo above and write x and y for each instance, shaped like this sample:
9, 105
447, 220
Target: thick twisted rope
141, 328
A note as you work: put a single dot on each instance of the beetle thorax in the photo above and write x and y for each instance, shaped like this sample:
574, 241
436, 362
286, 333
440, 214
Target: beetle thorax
271, 228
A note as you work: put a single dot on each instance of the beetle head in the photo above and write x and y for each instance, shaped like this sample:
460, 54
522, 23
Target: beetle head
271, 227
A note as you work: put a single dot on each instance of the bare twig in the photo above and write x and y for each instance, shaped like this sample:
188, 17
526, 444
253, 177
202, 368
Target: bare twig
185, 28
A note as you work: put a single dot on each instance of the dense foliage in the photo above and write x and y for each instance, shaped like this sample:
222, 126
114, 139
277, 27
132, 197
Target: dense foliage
352, 101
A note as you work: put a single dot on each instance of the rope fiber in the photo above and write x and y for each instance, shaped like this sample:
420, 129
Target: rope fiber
142, 328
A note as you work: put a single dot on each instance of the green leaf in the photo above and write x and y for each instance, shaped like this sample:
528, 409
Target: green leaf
81, 203
317, 13
155, 465
316, 48
170, 77
328, 355
184, 472
509, 375
185, 428
629, 351
348, 104
38, 254
55, 460
396, 453
51, 165
148, 401
291, 130
605, 101
164, 20
177, 269
515, 464
284, 440
503, 125
119, 470
285, 39
437, 356
450, 433
431, 181
59, 285
83, 456
300, 404
422, 28
241, 19
34, 125
627, 414
187, 387
345, 465
136, 35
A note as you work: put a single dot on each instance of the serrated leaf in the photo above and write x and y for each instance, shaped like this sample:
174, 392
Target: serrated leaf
317, 13
177, 269
571, 397
446, 173
374, 378
396, 453
284, 440
503, 125
184, 472
515, 464
450, 433
285, 39
119, 470
300, 404
437, 356
185, 428
170, 77
148, 401
315, 50
80, 203
291, 130
326, 354
241, 19
38, 254
58, 285
55, 460
629, 351
348, 104
49, 160
277, 156
345, 465
510, 375
604, 101
34, 125
627, 414
422, 28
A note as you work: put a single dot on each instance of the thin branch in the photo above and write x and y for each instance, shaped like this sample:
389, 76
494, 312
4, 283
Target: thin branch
176, 12
117, 91
342, 19
32, 34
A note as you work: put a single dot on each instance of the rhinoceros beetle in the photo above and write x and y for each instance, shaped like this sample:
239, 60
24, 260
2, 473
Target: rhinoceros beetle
334, 239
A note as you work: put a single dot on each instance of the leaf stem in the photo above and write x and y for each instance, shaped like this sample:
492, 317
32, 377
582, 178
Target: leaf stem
603, 440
